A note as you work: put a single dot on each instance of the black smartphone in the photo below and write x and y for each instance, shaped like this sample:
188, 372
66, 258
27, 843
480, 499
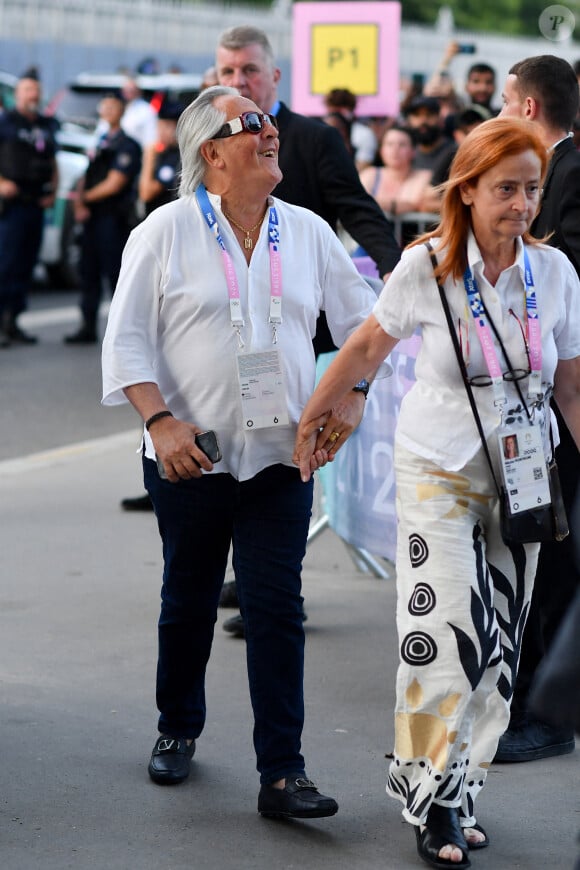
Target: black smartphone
466, 48
208, 444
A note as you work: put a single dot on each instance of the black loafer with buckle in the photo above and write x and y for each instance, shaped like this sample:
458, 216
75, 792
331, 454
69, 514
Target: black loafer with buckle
299, 799
171, 760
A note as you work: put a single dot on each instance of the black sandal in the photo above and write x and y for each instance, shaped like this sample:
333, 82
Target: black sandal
442, 829
482, 843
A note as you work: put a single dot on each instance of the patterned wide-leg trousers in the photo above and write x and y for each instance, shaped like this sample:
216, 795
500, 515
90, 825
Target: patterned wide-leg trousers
462, 602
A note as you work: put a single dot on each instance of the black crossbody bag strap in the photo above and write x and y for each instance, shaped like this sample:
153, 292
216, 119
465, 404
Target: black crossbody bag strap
514, 533
462, 367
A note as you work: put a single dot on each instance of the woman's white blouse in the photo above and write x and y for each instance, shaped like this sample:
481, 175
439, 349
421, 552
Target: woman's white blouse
436, 420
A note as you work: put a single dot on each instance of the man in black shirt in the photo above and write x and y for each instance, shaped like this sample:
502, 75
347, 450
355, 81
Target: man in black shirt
104, 204
159, 179
423, 116
28, 181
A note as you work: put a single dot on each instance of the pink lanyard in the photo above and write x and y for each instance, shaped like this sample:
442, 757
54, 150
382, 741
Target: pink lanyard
486, 338
237, 320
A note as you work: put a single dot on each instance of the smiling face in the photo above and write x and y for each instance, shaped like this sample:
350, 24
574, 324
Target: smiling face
251, 72
246, 160
505, 199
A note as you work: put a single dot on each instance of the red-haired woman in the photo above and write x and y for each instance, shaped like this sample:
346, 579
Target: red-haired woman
463, 594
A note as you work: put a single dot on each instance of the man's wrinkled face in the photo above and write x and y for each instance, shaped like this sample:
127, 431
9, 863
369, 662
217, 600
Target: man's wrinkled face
251, 156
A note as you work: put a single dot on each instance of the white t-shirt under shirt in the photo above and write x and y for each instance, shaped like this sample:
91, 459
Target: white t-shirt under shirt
436, 420
169, 321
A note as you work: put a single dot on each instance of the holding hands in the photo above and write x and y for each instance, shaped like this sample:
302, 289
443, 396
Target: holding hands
319, 439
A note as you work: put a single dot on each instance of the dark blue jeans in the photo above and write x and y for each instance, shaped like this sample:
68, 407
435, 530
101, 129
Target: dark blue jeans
266, 521
20, 239
104, 237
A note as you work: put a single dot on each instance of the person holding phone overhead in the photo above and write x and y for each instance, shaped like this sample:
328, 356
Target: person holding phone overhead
211, 328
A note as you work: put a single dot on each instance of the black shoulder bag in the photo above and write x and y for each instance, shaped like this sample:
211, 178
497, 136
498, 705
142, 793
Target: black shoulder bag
547, 523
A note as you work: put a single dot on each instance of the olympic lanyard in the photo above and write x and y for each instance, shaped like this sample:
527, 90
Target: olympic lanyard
236, 317
486, 338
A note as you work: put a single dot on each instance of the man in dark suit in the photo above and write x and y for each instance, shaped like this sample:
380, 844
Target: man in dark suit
544, 89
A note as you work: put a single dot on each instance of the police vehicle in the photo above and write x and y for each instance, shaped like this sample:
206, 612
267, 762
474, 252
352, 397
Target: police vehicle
7, 86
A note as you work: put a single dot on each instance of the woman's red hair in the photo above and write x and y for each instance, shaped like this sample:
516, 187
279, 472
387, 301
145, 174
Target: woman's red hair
480, 151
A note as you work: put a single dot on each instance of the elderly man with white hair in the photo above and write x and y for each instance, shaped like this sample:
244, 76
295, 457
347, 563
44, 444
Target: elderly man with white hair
211, 328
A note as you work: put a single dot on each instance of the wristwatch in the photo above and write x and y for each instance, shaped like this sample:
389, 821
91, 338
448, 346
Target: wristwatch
362, 387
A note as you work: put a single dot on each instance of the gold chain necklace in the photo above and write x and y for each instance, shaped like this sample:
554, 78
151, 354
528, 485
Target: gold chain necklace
248, 243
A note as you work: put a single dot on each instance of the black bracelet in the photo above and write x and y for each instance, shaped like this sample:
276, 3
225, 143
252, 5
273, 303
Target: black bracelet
158, 416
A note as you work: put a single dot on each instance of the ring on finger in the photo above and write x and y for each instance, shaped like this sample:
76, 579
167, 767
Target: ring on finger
333, 437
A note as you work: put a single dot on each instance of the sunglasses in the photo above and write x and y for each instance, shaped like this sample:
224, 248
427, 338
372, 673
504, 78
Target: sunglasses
249, 122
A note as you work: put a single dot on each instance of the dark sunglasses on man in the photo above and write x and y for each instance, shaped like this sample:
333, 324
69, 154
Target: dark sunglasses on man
248, 122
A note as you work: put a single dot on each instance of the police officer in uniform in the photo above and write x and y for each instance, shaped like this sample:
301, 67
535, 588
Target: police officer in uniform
28, 181
105, 205
159, 177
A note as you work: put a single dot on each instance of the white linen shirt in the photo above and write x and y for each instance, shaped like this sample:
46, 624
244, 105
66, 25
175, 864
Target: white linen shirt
436, 420
169, 321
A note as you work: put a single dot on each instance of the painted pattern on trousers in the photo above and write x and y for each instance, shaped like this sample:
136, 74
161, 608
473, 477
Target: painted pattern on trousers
462, 602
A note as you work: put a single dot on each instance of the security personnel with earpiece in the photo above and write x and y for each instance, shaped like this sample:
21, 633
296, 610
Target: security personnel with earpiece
28, 181
105, 205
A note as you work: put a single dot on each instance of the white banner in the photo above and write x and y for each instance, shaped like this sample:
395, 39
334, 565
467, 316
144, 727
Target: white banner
359, 486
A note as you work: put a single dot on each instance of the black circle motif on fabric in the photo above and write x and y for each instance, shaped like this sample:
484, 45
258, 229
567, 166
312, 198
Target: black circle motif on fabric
423, 600
418, 649
418, 550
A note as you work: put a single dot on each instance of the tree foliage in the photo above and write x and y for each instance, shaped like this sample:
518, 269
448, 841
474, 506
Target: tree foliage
517, 17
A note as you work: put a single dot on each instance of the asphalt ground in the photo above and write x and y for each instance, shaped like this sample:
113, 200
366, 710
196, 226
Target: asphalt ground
79, 597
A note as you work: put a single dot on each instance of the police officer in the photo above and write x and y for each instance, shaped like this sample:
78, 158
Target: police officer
159, 180
105, 205
28, 181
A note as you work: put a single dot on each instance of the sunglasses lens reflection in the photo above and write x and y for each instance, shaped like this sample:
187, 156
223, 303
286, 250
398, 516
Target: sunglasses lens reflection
252, 122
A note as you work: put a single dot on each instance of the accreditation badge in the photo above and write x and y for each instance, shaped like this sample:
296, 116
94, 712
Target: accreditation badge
262, 390
524, 469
